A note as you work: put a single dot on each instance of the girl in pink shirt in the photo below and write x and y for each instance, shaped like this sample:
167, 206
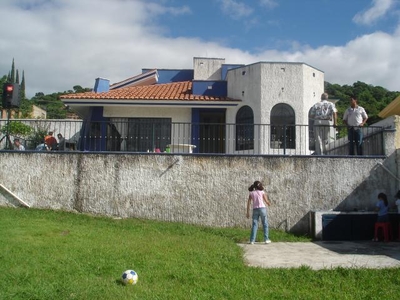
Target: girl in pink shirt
260, 201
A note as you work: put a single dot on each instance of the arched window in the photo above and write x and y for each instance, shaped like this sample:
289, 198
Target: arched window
283, 130
245, 129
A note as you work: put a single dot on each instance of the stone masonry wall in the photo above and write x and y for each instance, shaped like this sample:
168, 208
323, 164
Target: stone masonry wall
198, 189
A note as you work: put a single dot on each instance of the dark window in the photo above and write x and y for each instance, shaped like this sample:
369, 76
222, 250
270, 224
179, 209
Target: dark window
148, 134
245, 129
283, 130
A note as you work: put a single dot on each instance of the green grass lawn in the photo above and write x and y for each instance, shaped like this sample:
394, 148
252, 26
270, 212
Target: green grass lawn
60, 255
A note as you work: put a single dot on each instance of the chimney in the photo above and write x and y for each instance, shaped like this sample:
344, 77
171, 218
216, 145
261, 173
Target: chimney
101, 85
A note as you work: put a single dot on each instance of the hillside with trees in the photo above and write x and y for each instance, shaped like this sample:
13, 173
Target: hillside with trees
373, 98
54, 107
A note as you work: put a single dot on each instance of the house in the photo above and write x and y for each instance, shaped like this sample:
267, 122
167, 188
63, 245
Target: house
37, 113
213, 108
393, 108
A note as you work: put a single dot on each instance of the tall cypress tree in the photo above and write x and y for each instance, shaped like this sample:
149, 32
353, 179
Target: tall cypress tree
12, 79
23, 84
17, 77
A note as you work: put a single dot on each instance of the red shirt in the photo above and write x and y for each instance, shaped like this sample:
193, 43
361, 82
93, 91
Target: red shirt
50, 141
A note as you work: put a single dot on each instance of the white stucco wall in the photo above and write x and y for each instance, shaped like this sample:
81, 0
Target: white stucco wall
207, 68
263, 85
313, 80
245, 83
177, 114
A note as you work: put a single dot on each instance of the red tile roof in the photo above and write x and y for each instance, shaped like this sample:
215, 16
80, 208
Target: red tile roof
169, 91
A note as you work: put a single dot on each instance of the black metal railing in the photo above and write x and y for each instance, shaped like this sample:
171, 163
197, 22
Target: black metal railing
162, 135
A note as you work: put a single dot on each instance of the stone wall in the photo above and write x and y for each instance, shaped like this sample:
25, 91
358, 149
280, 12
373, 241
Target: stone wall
198, 189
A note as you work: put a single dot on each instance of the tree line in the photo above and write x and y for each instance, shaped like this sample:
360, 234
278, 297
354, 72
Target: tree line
373, 98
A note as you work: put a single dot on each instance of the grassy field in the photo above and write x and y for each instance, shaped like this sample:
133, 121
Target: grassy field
60, 255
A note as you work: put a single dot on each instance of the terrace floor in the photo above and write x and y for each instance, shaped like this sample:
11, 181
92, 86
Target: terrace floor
323, 254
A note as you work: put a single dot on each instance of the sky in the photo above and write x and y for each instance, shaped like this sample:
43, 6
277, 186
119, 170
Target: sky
59, 44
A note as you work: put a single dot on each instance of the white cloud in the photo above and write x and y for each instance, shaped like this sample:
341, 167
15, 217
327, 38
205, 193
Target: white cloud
63, 44
175, 11
235, 9
74, 42
378, 10
270, 4
370, 58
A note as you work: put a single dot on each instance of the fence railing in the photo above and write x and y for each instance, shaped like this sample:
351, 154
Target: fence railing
162, 135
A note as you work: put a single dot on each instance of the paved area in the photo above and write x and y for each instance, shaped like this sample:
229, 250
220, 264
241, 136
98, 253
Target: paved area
323, 255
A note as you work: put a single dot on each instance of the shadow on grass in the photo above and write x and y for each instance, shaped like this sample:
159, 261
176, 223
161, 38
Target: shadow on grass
389, 249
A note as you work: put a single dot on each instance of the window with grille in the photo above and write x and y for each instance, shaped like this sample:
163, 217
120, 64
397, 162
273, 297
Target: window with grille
245, 129
148, 134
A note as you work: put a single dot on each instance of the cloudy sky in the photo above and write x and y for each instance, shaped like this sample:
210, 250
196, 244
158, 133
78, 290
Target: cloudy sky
63, 43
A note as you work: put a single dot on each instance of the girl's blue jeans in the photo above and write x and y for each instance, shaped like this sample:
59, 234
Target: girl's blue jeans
259, 213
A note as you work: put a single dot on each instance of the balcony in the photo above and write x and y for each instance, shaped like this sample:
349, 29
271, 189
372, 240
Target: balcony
164, 136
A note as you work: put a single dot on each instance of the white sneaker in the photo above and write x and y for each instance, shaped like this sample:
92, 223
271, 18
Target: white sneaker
252, 243
268, 241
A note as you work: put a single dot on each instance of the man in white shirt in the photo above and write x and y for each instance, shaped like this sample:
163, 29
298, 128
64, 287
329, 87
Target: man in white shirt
323, 113
355, 117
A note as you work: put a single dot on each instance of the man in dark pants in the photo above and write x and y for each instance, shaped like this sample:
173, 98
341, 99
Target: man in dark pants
355, 117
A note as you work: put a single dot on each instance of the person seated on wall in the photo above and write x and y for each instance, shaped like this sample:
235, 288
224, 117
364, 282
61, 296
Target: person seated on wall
50, 141
18, 146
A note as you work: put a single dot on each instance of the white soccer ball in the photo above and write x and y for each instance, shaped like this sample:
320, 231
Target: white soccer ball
129, 277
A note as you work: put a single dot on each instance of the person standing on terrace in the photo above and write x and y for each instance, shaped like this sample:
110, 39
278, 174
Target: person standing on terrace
323, 113
382, 207
355, 117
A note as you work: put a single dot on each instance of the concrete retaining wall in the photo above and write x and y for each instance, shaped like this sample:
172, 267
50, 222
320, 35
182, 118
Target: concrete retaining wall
206, 190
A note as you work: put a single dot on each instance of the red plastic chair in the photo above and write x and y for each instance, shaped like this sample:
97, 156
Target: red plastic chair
386, 228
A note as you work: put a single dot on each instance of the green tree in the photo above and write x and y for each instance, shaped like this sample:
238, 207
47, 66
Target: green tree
16, 129
79, 89
23, 80
3, 80
25, 108
372, 98
37, 136
23, 85
53, 105
12, 73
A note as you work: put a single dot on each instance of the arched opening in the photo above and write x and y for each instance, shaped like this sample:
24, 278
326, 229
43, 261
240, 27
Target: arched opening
283, 130
245, 129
